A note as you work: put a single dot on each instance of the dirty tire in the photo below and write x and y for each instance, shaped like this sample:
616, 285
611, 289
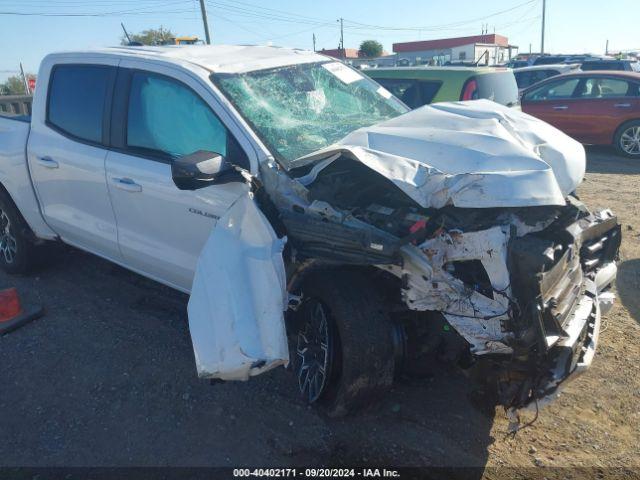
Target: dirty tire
17, 251
362, 360
627, 139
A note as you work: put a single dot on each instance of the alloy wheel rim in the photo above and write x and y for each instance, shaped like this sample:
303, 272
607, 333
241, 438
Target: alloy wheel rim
314, 351
8, 244
630, 140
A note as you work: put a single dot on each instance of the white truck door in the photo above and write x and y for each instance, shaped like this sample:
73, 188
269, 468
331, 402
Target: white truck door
66, 153
161, 229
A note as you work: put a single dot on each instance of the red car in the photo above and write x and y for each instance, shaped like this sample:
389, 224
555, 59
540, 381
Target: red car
598, 107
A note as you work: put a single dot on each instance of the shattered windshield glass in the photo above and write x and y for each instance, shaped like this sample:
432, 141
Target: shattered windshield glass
299, 109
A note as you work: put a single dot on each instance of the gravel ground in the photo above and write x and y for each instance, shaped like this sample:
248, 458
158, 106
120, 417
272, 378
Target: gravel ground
107, 378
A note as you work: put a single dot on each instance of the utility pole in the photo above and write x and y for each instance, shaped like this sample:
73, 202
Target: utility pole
342, 38
606, 50
544, 12
203, 9
314, 42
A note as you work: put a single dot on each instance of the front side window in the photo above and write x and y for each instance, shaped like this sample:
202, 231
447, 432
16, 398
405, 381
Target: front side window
77, 100
544, 74
299, 109
168, 118
553, 91
604, 87
523, 79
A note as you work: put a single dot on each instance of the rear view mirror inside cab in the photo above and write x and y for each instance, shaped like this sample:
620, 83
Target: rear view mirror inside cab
201, 169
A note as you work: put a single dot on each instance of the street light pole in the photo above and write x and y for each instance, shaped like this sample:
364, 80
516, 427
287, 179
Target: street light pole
203, 9
544, 11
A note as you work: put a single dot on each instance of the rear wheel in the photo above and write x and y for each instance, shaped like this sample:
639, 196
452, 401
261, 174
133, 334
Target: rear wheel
344, 346
17, 252
627, 139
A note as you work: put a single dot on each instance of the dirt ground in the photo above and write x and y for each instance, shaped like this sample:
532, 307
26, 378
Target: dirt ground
107, 378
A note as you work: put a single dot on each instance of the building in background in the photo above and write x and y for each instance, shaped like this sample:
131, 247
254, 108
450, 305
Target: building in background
342, 54
352, 57
488, 49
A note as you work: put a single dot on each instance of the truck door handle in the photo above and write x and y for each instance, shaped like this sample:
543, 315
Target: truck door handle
561, 107
126, 184
47, 162
622, 105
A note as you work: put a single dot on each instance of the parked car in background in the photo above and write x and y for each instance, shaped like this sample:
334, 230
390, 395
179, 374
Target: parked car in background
583, 58
418, 86
527, 76
623, 65
600, 107
518, 64
550, 59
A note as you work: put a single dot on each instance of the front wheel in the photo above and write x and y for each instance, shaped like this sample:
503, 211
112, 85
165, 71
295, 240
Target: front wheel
344, 344
627, 139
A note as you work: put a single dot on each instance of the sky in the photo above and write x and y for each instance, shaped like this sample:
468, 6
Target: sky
29, 29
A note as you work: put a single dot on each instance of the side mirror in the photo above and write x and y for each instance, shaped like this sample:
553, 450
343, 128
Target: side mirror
201, 169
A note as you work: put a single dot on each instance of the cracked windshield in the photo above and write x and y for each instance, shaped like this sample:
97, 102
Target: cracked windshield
299, 109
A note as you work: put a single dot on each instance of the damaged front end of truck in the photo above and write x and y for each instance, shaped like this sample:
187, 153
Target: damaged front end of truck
467, 241
524, 287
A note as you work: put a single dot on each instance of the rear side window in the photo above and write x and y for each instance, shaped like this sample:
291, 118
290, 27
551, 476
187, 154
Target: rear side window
500, 87
78, 96
168, 118
414, 93
605, 87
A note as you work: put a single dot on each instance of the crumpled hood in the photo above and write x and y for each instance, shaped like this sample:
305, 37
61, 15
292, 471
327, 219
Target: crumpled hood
476, 154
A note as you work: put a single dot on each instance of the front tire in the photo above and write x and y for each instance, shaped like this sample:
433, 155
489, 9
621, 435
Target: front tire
343, 337
17, 251
627, 139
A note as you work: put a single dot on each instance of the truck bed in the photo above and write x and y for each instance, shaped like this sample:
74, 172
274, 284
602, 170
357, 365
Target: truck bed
14, 171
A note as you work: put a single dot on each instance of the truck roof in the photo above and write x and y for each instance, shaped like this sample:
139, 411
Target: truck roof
216, 58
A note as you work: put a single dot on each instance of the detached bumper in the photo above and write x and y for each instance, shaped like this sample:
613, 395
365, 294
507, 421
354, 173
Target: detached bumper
574, 354
566, 302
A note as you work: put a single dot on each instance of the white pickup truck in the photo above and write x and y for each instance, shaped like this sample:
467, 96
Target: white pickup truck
307, 210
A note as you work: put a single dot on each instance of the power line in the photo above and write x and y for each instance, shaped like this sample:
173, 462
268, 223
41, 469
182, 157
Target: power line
442, 26
132, 11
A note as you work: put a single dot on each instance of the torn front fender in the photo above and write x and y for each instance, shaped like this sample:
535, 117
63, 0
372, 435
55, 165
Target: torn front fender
238, 297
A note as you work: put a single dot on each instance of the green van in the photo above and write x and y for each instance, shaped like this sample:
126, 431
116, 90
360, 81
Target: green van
417, 86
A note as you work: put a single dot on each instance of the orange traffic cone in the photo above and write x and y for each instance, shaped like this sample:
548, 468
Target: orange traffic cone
12, 315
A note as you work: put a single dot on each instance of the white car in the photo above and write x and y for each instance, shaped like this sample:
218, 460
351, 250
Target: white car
527, 76
301, 205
